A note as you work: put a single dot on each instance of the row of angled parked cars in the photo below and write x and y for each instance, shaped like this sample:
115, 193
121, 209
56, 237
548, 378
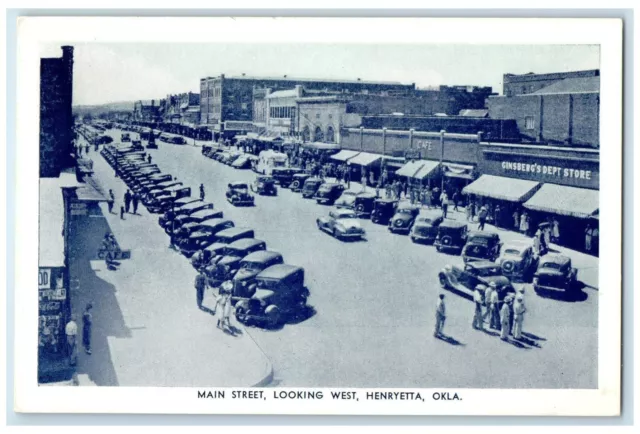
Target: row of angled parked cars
266, 291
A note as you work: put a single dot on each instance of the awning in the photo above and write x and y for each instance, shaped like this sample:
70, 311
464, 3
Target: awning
51, 221
564, 200
453, 170
320, 146
91, 191
410, 168
500, 187
253, 135
365, 159
344, 155
427, 169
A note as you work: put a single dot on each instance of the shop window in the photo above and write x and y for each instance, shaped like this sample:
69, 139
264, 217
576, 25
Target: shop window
330, 138
305, 134
317, 115
529, 123
318, 136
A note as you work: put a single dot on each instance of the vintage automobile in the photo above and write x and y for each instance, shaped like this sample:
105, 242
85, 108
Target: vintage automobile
237, 250
481, 245
425, 227
285, 176
202, 259
230, 235
238, 194
280, 294
199, 216
125, 137
183, 210
161, 190
177, 140
555, 273
137, 144
311, 186
383, 210
361, 203
242, 162
465, 278
452, 236
404, 217
297, 181
250, 266
151, 144
518, 260
146, 184
264, 185
205, 235
230, 158
328, 193
342, 224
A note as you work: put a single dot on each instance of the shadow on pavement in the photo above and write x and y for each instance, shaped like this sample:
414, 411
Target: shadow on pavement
573, 296
449, 340
86, 234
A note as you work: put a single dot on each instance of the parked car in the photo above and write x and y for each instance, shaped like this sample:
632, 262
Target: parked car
342, 224
425, 226
311, 186
285, 176
125, 137
481, 245
237, 250
195, 217
165, 202
328, 192
465, 278
250, 266
238, 194
137, 144
298, 180
160, 190
383, 210
280, 294
518, 260
181, 211
205, 235
230, 235
361, 203
404, 217
242, 162
230, 157
177, 140
555, 273
452, 236
264, 184
151, 144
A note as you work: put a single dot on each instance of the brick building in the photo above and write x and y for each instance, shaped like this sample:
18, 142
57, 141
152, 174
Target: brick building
183, 108
560, 109
56, 118
148, 111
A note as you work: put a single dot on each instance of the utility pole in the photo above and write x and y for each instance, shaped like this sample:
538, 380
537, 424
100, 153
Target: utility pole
442, 160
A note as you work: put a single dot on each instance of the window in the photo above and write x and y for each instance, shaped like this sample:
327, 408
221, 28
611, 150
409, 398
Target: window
529, 123
318, 136
330, 138
317, 115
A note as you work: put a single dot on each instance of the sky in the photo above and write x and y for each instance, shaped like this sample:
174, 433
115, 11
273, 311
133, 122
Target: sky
106, 73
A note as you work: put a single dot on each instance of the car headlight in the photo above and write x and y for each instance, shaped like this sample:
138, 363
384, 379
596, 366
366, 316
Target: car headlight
448, 267
535, 280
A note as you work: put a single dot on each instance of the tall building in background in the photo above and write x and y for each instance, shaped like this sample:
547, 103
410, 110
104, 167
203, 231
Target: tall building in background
56, 119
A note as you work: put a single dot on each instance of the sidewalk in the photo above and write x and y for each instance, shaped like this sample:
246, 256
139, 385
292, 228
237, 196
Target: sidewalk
147, 329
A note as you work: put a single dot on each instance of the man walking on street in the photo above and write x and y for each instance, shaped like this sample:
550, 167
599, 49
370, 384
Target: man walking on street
444, 200
201, 191
87, 321
505, 313
112, 199
482, 218
477, 300
455, 198
71, 330
440, 316
135, 199
149, 158
127, 201
518, 316
121, 212
200, 285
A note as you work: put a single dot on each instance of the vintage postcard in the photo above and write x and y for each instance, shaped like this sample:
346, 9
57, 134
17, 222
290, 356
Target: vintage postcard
319, 216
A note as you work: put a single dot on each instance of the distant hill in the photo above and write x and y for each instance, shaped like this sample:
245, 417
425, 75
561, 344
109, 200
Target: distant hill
95, 110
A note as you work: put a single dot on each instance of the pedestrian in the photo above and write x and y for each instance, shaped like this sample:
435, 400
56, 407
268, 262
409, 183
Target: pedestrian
455, 198
440, 316
412, 195
149, 158
496, 215
404, 189
537, 247
556, 231
444, 201
71, 331
516, 219
226, 311
378, 190
106, 248
398, 189
86, 149
482, 218
363, 181
121, 212
200, 284
524, 224
127, 200
347, 176
547, 236
494, 301
428, 197
518, 311
201, 191
596, 240
135, 200
505, 314
477, 300
588, 236
87, 321
112, 199
469, 210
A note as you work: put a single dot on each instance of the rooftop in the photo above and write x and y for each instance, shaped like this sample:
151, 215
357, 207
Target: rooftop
318, 80
572, 85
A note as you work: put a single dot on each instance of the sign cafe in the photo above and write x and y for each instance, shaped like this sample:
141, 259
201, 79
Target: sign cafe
551, 171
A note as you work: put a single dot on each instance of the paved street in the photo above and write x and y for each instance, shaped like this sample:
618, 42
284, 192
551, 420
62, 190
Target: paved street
374, 301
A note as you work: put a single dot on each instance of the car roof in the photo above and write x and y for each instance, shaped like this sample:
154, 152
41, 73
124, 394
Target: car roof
366, 194
204, 212
212, 222
556, 259
279, 271
407, 205
189, 205
482, 234
386, 200
314, 178
343, 212
245, 243
447, 223
481, 264
261, 256
233, 231
330, 184
237, 184
264, 177
430, 213
517, 244
300, 175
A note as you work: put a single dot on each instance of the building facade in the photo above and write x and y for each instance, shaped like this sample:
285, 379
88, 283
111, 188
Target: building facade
56, 117
148, 112
182, 108
564, 112
523, 84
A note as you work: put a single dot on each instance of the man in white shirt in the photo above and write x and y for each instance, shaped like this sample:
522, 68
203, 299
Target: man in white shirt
71, 330
440, 316
477, 300
518, 316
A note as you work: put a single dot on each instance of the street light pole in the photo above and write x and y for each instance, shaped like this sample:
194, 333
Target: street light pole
442, 160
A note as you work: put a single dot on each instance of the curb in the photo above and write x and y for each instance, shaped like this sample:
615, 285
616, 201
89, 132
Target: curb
267, 372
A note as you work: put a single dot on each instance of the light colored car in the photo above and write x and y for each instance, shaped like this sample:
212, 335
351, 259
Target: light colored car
342, 224
518, 260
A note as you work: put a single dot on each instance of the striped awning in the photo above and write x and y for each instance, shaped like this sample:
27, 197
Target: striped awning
344, 155
502, 188
428, 168
565, 200
365, 159
410, 168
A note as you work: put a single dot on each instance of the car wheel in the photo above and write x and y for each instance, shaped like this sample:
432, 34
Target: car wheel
360, 208
335, 234
273, 315
413, 239
295, 185
444, 283
446, 240
508, 266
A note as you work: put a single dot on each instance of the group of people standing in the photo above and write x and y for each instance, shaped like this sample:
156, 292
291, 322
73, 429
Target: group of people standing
71, 332
222, 295
506, 316
130, 203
